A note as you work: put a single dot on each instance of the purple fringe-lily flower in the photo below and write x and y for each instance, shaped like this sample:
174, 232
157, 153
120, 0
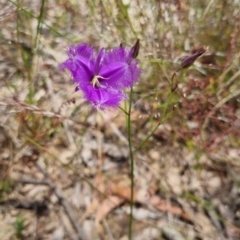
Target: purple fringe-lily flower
102, 77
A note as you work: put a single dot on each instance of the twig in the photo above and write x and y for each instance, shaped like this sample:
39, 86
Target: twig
114, 128
105, 224
57, 191
217, 106
34, 182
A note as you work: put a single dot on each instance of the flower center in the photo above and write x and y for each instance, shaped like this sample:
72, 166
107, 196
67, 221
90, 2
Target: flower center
96, 81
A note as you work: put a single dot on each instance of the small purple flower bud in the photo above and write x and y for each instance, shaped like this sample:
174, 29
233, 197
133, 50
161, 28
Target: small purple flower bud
135, 49
189, 60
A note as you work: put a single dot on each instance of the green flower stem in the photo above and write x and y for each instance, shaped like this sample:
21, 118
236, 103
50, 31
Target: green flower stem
131, 164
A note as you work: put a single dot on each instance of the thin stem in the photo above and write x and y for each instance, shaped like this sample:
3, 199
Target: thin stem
131, 164
123, 110
40, 20
124, 11
35, 17
146, 139
164, 118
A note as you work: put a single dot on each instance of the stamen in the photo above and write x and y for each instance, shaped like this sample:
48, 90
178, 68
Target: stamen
95, 81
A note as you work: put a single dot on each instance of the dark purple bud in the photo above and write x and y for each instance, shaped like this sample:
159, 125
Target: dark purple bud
135, 49
77, 89
189, 60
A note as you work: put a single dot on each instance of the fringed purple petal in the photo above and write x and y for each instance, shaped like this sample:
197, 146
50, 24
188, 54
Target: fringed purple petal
108, 70
99, 60
81, 73
83, 50
86, 65
129, 72
80, 63
72, 66
119, 54
113, 74
101, 97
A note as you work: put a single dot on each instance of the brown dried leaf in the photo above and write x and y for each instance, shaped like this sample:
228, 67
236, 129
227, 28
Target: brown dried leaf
122, 188
107, 206
91, 209
124, 192
164, 206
